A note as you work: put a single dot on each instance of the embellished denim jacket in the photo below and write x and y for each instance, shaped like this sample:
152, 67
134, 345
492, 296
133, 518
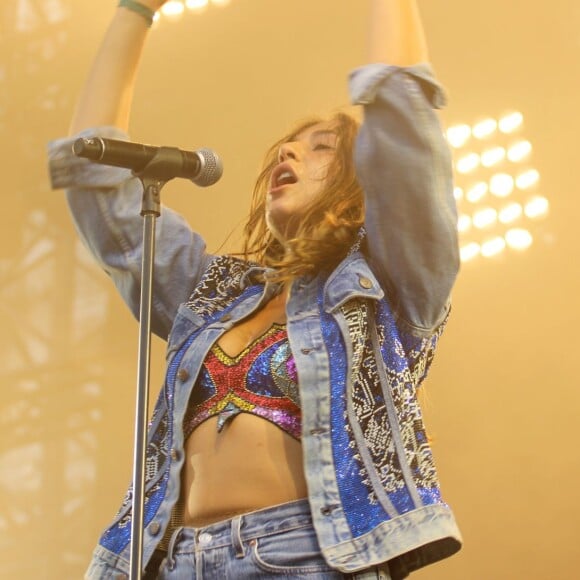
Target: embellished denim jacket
373, 488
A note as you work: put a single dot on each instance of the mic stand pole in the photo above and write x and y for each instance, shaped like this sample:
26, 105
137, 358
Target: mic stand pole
153, 177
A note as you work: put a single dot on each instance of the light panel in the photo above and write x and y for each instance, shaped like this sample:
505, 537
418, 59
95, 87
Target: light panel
501, 185
458, 135
528, 179
519, 151
196, 4
519, 239
511, 123
510, 213
463, 223
491, 157
477, 192
468, 163
537, 207
174, 9
493, 247
484, 218
485, 128
469, 251
496, 186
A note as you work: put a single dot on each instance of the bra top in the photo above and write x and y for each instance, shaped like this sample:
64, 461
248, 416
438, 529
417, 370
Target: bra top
261, 380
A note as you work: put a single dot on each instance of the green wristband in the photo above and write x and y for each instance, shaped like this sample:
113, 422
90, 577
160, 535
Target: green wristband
139, 8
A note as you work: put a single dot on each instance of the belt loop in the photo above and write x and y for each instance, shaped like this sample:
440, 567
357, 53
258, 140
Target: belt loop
377, 572
171, 547
237, 537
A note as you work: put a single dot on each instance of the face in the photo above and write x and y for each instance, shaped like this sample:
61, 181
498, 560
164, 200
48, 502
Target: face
300, 176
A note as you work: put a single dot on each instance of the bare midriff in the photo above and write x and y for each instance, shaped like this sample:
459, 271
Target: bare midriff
252, 464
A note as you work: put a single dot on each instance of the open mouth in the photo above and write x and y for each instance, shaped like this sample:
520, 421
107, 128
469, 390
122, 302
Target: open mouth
282, 175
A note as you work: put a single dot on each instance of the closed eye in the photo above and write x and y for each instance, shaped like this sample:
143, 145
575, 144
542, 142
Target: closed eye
321, 146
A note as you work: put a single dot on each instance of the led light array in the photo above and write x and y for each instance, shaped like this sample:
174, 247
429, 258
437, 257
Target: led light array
176, 8
496, 186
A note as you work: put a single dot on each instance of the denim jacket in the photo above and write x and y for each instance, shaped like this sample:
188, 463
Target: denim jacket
362, 336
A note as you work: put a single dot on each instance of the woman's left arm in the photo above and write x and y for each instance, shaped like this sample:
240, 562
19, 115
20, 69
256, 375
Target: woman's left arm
404, 166
395, 33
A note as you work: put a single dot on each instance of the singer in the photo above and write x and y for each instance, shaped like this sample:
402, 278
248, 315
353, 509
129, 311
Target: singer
288, 441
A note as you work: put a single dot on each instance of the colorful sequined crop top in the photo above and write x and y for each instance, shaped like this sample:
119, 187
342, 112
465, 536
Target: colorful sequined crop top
261, 380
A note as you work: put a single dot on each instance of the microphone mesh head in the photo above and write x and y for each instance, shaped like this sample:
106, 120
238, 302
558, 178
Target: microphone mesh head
212, 168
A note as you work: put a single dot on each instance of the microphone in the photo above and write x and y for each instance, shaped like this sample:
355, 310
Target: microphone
203, 166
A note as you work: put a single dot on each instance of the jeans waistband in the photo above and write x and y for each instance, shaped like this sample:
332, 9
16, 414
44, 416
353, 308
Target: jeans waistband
241, 528
238, 530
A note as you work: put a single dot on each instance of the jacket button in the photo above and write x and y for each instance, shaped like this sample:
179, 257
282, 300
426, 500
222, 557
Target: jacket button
182, 374
154, 528
328, 509
365, 282
226, 318
174, 454
318, 431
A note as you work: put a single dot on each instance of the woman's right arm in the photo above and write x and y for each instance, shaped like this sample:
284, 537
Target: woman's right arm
105, 202
108, 92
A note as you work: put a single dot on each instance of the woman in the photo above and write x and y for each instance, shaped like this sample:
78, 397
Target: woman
288, 441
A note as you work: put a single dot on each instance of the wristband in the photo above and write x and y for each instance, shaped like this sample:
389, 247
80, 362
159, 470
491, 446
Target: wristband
140, 9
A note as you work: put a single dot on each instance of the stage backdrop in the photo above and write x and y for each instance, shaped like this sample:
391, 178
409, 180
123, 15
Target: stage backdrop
502, 401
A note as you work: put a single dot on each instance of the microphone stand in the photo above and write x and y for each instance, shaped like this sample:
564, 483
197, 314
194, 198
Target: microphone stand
153, 177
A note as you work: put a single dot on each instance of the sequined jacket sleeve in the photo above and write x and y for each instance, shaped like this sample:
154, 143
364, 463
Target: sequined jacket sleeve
105, 203
404, 166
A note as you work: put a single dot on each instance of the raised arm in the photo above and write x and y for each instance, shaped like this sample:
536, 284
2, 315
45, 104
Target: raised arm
404, 166
395, 33
105, 202
108, 92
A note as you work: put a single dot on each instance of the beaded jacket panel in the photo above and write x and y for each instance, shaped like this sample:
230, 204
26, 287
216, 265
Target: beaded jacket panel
118, 535
220, 285
406, 364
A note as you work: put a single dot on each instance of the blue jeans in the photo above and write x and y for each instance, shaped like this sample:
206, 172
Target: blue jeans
276, 542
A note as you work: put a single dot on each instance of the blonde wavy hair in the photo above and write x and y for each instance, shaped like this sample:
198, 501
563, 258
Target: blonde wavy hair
328, 226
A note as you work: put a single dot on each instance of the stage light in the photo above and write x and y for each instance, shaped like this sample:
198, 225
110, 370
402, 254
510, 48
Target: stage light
493, 247
494, 185
176, 8
477, 192
493, 156
196, 4
537, 207
484, 128
519, 151
173, 8
458, 135
468, 163
510, 213
528, 179
501, 185
519, 239
484, 218
463, 223
469, 251
511, 122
